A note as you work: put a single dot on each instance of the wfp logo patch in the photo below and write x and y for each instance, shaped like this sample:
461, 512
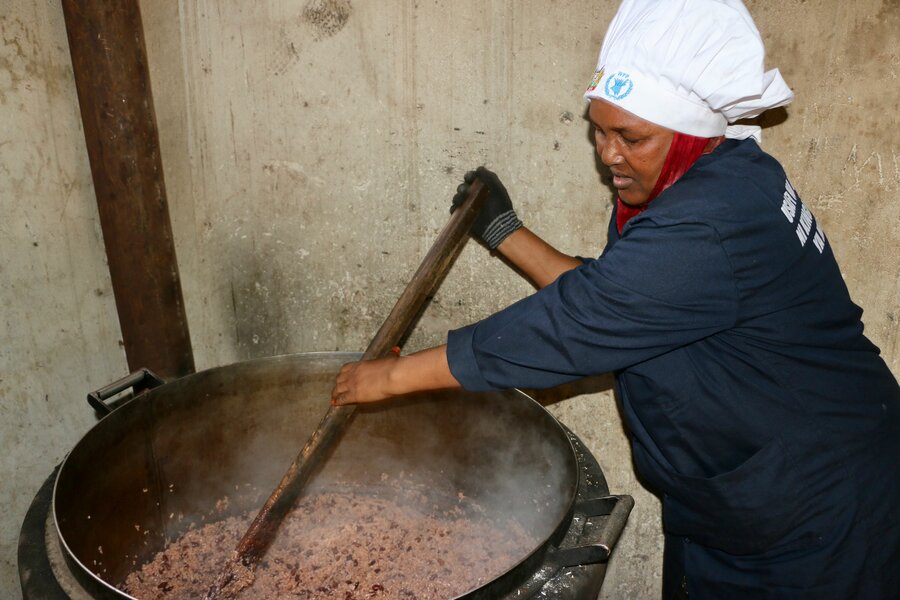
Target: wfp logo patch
618, 86
595, 81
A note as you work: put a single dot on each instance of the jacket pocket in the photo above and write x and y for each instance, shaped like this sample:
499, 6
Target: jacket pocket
747, 510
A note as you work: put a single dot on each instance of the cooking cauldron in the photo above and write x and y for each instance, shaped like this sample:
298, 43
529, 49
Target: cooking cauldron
162, 461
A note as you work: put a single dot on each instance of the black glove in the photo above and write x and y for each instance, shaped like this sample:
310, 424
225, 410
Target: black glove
497, 219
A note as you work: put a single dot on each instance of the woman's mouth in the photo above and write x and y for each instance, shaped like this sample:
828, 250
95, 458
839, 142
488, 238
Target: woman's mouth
620, 181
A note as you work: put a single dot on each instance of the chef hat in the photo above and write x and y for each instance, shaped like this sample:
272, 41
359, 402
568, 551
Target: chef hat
693, 66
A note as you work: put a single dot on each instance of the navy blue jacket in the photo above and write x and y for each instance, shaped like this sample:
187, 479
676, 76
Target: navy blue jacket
757, 407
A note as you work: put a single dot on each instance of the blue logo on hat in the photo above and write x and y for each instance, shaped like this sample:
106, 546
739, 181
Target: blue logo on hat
618, 85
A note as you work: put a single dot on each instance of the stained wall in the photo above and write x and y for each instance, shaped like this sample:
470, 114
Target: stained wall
310, 150
59, 337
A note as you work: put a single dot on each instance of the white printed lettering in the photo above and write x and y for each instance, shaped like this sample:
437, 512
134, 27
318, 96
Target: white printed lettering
806, 219
804, 226
790, 189
819, 240
789, 207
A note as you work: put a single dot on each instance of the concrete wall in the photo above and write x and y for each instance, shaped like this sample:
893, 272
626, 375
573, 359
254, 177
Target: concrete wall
59, 337
310, 150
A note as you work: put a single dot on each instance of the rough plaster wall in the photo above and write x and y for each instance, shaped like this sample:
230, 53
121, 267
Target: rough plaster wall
311, 148
59, 336
840, 144
311, 164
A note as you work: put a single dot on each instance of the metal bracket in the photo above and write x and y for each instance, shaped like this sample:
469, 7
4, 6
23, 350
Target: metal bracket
141, 380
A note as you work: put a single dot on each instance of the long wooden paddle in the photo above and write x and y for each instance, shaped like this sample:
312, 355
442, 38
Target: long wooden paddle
238, 572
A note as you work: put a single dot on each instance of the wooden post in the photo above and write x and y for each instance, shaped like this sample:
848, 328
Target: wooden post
109, 59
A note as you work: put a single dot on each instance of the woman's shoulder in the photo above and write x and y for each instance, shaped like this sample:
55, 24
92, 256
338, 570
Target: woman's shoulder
738, 181
740, 160
738, 191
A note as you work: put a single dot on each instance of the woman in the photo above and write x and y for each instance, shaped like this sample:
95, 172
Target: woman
757, 408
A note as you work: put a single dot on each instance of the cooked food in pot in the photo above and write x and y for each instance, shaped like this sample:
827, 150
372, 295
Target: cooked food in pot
348, 546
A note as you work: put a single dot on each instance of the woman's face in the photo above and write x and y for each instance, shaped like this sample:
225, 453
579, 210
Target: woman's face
632, 148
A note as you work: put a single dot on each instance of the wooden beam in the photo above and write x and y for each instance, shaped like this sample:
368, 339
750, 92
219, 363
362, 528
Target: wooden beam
109, 59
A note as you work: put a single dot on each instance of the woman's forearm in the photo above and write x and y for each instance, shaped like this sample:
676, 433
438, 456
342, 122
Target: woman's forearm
374, 380
538, 260
422, 371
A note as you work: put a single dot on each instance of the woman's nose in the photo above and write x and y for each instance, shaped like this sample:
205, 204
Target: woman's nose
609, 153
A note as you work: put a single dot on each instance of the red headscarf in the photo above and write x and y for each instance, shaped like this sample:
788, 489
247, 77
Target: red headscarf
684, 152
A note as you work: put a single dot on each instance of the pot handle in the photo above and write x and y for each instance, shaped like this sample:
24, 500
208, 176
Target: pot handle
597, 540
141, 380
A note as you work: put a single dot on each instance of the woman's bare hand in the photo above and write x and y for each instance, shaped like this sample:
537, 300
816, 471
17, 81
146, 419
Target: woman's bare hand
374, 380
364, 381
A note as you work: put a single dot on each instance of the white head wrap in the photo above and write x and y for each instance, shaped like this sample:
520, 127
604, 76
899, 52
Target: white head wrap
693, 66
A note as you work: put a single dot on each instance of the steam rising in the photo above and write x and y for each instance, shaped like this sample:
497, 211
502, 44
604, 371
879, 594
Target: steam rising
219, 442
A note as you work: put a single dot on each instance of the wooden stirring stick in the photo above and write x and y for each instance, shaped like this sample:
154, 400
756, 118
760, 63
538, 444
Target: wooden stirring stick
238, 572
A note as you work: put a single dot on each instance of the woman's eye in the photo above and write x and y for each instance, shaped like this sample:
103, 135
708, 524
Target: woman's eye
629, 141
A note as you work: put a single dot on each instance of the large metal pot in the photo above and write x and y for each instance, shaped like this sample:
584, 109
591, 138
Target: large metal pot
162, 461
